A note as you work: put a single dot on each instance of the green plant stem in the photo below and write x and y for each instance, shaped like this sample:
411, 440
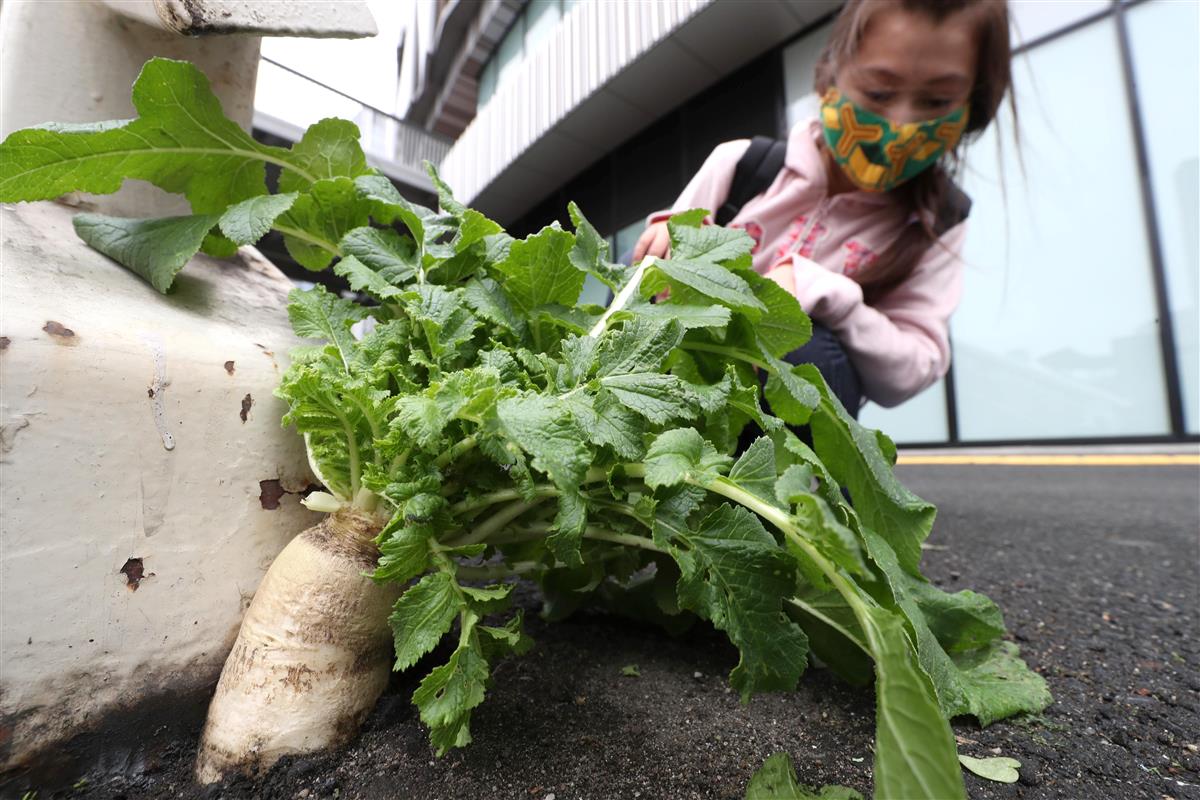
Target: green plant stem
804, 608
304, 236
492, 572
464, 446
728, 352
496, 522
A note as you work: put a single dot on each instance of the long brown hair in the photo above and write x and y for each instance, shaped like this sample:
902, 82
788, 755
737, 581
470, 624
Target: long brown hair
926, 194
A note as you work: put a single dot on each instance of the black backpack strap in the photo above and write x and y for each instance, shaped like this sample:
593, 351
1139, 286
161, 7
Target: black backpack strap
755, 171
954, 210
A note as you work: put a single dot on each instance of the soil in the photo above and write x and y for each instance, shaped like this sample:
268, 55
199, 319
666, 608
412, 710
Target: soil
1095, 568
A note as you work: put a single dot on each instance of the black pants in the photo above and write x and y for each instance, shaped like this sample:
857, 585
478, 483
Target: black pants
825, 351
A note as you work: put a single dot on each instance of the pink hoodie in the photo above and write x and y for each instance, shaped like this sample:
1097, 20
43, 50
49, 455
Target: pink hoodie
811, 244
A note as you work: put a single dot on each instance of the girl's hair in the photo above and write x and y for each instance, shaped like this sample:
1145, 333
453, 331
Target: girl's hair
927, 194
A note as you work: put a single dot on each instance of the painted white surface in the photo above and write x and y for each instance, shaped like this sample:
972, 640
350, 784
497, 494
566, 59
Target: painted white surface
86, 481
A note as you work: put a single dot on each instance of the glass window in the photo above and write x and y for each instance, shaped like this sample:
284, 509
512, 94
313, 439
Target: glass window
1033, 19
541, 17
1057, 333
487, 82
919, 420
508, 55
1166, 65
799, 70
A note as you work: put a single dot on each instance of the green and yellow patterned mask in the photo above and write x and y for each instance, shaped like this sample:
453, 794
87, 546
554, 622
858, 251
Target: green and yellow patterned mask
878, 154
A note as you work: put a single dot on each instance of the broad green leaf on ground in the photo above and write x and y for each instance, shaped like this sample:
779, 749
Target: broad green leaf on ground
853, 455
328, 149
155, 249
181, 142
998, 684
776, 780
1000, 770
735, 576
248, 221
422, 616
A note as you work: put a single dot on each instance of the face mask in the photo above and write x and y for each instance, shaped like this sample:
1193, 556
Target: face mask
878, 154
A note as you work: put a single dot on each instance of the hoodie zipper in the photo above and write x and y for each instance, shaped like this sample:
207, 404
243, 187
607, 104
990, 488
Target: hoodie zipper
817, 215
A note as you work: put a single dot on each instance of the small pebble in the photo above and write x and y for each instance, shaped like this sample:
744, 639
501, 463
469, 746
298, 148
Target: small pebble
697, 675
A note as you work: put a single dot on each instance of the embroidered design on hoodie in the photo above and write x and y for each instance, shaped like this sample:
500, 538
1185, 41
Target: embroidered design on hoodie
755, 232
858, 257
794, 231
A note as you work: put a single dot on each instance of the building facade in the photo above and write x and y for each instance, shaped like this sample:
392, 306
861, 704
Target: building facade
1080, 314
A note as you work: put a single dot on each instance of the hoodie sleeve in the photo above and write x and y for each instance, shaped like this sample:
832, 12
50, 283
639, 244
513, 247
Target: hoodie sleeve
901, 345
709, 187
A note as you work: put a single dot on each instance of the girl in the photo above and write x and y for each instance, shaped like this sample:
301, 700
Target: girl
863, 224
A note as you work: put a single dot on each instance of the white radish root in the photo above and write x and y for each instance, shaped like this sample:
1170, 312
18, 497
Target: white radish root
313, 654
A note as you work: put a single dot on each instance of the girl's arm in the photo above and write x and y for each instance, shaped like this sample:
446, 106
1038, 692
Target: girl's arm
901, 345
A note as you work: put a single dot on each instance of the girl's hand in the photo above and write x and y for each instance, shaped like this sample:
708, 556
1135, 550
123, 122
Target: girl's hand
654, 241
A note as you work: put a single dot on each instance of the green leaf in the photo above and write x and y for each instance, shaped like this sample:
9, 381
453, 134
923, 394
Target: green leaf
328, 149
755, 470
181, 142
543, 427
657, 397
364, 279
784, 327
590, 252
608, 423
392, 256
1000, 770
915, 754
682, 455
776, 780
487, 300
538, 271
998, 684
853, 455
317, 314
154, 249
422, 616
318, 220
713, 281
640, 345
735, 575
450, 692
631, 671
248, 221
688, 317
710, 243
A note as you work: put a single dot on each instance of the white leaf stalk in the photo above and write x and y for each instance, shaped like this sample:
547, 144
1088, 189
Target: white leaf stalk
622, 299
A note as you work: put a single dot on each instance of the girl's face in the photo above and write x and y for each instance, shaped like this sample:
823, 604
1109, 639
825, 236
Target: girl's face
909, 68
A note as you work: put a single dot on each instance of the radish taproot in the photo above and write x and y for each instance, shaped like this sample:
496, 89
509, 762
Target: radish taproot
312, 656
